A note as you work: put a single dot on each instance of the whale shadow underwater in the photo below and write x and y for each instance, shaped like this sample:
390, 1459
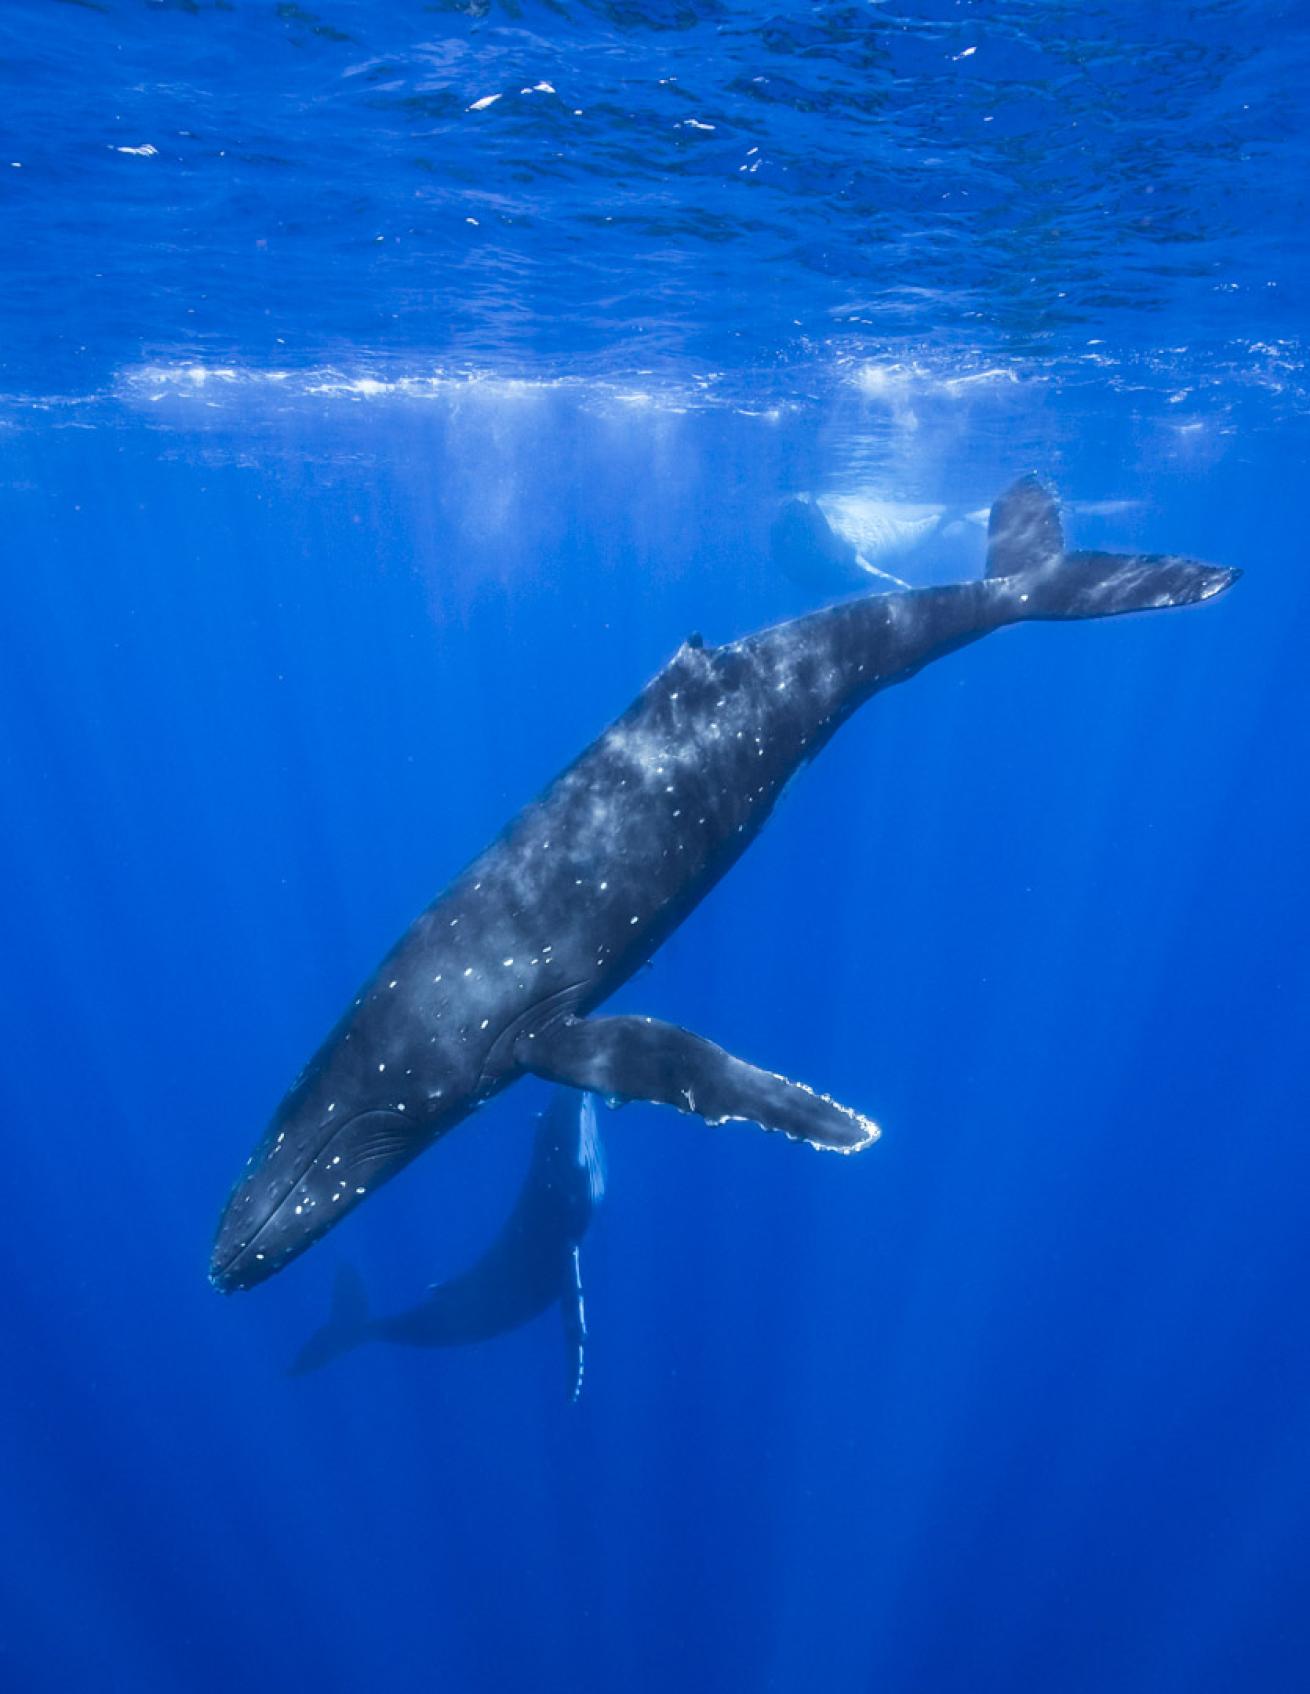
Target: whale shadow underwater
498, 977
533, 1264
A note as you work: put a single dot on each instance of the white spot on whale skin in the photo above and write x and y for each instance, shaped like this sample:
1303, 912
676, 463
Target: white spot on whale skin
382, 1067
468, 970
391, 985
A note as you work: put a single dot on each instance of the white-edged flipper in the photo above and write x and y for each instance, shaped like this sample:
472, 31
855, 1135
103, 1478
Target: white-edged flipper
882, 576
591, 1151
632, 1058
573, 1314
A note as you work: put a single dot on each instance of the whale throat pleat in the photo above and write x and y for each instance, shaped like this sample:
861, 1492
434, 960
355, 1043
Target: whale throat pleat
634, 1058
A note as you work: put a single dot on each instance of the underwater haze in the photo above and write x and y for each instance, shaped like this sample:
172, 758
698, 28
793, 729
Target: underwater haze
386, 392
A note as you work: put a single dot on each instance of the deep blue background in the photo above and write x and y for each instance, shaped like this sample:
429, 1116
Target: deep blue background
1016, 1400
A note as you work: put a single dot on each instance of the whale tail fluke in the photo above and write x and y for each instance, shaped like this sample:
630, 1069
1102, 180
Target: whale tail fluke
1026, 558
346, 1328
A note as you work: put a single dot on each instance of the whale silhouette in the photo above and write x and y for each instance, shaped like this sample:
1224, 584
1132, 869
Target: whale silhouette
533, 1263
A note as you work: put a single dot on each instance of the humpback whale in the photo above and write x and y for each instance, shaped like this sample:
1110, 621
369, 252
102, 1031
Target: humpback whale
841, 542
499, 976
532, 1264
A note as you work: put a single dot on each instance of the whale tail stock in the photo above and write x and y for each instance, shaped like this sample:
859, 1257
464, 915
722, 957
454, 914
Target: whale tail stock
1027, 561
346, 1328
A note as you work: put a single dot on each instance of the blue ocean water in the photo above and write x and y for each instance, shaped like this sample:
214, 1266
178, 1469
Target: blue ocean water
386, 391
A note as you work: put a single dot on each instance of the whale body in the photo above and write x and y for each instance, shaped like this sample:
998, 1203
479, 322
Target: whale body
499, 976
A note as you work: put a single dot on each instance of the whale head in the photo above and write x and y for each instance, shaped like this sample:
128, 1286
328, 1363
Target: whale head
316, 1162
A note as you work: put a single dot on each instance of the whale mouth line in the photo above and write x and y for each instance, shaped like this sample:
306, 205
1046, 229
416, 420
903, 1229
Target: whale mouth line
220, 1271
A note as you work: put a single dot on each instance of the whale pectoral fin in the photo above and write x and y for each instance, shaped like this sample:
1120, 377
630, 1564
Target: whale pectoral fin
640, 1059
573, 1314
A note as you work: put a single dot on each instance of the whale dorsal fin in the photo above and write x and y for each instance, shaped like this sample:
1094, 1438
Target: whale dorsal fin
574, 1316
1024, 531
